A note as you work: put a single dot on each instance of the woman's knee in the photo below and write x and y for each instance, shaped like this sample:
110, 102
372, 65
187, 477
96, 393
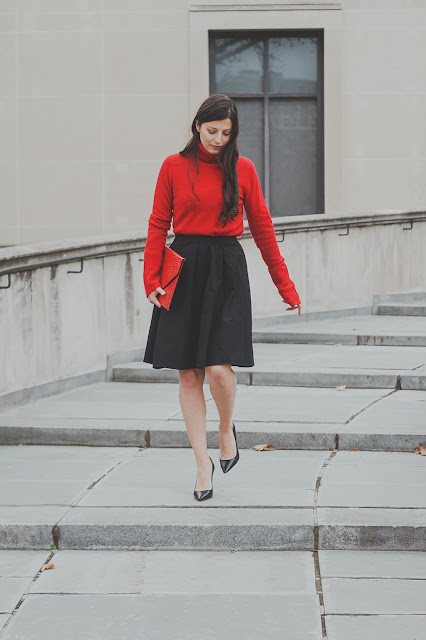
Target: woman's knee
190, 378
220, 374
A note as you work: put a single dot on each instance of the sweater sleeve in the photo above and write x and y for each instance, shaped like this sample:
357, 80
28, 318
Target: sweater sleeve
159, 224
263, 231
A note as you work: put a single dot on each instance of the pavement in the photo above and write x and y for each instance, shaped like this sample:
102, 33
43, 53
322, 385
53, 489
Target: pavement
188, 595
324, 536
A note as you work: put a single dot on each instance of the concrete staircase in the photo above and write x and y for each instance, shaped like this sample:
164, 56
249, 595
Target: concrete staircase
343, 401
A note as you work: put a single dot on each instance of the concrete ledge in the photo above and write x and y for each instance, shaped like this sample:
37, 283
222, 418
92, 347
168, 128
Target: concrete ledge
28, 527
173, 434
71, 431
369, 528
389, 441
414, 381
191, 528
352, 378
391, 341
411, 309
32, 394
279, 337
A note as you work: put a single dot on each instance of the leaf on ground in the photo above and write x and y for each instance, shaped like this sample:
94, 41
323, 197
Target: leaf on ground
422, 449
353, 449
264, 447
341, 388
47, 566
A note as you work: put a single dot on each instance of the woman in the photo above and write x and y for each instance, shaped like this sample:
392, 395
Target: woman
208, 327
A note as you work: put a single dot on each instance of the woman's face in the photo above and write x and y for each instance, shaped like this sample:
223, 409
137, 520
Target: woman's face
215, 134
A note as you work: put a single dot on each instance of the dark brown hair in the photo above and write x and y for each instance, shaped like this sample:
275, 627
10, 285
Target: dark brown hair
219, 107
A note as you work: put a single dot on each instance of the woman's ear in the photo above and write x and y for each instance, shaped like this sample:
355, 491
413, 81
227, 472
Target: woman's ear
197, 126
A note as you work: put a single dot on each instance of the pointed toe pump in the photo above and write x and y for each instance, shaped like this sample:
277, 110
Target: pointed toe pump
206, 493
228, 464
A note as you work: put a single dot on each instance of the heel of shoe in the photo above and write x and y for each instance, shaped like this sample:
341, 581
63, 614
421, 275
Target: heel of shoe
206, 493
228, 464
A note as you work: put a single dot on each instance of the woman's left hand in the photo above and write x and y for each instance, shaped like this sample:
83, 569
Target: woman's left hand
296, 306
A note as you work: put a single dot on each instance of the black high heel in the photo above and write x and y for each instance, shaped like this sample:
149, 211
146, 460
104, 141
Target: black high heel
228, 464
206, 493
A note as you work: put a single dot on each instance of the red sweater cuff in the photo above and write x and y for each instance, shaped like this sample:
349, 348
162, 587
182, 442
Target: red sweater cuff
284, 284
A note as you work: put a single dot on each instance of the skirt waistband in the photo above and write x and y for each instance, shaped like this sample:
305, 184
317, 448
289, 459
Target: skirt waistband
189, 237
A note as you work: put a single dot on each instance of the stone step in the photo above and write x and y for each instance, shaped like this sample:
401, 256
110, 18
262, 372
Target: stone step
292, 377
405, 309
373, 330
277, 336
107, 498
149, 415
311, 365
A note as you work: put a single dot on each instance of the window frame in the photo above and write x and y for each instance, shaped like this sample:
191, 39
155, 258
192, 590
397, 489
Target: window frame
265, 34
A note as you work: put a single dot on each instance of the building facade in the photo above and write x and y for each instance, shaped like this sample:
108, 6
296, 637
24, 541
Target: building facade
96, 93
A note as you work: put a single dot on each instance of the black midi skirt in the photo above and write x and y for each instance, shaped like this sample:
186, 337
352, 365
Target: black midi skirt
210, 318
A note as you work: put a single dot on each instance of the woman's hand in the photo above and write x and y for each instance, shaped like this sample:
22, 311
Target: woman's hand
153, 296
296, 306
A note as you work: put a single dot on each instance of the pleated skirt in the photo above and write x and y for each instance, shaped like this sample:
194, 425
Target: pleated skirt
210, 317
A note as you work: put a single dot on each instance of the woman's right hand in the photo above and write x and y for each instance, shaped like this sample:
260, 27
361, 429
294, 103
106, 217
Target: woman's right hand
153, 296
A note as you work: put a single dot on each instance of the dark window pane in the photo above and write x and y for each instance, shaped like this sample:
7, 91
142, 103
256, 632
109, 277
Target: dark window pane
251, 138
292, 65
293, 165
239, 65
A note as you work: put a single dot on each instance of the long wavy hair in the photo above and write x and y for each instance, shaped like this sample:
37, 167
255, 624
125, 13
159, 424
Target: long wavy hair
219, 107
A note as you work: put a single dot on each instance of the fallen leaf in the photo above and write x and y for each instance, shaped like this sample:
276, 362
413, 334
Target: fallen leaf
264, 447
422, 449
342, 388
47, 566
353, 449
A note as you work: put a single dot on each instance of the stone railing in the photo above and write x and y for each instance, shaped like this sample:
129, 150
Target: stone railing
69, 310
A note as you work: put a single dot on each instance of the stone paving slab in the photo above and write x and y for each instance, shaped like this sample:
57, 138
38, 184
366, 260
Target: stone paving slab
18, 564
10, 592
372, 479
4, 617
391, 627
166, 617
166, 478
374, 596
293, 404
373, 564
157, 572
55, 476
106, 400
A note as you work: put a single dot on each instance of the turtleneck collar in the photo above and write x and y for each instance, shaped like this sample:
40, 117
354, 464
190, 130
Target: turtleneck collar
205, 156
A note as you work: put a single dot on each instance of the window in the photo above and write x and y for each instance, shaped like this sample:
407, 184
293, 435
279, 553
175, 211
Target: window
275, 77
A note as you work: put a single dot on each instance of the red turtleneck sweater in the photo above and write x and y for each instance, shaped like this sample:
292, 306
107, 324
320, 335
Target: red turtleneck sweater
173, 198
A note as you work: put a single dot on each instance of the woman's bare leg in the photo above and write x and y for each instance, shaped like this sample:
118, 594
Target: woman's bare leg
223, 386
193, 405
